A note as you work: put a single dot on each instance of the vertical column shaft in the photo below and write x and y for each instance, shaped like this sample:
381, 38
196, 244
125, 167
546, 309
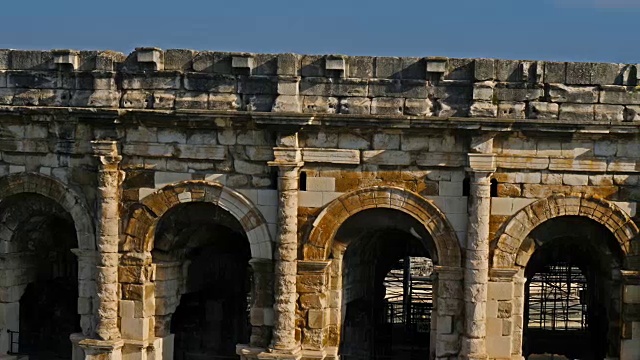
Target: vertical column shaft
107, 239
476, 273
284, 338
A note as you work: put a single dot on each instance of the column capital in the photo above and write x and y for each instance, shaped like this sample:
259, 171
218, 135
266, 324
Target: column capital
287, 157
107, 151
448, 272
481, 163
630, 276
503, 274
313, 266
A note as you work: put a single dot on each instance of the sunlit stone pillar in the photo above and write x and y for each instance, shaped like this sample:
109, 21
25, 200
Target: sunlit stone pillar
288, 159
476, 267
108, 200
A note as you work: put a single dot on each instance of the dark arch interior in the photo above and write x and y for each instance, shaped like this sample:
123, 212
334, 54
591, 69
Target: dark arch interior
212, 317
572, 296
387, 288
44, 233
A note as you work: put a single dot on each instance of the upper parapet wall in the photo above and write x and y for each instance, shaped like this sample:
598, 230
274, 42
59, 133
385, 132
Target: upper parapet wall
150, 78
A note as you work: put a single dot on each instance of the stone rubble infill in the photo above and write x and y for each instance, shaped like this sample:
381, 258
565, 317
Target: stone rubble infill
150, 78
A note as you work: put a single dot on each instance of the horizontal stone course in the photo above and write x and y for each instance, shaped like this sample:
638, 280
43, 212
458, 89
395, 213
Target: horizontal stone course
348, 85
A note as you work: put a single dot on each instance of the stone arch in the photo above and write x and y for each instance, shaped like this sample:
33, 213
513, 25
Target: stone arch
320, 240
143, 219
61, 194
508, 245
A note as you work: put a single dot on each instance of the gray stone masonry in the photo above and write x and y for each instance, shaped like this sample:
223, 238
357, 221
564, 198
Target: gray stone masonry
151, 78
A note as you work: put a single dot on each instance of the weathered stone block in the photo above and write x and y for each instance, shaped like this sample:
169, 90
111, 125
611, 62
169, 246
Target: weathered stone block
288, 64
335, 156
319, 104
163, 99
543, 110
459, 69
385, 141
507, 92
579, 73
287, 103
4, 59
609, 113
386, 157
204, 82
483, 91
498, 290
387, 106
621, 95
388, 67
192, 100
288, 85
511, 110
259, 103
321, 184
508, 70
413, 68
574, 94
579, 113
6, 96
137, 99
178, 59
355, 105
499, 347
312, 65
483, 109
216, 62
360, 67
31, 60
398, 88
97, 98
484, 69
418, 107
157, 80
606, 74
229, 102
261, 85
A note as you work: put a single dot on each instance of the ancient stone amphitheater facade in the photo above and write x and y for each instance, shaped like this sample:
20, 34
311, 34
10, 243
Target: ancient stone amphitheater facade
292, 181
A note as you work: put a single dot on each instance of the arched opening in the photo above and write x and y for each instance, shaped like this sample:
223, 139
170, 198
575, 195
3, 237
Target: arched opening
203, 254
38, 236
388, 295
572, 295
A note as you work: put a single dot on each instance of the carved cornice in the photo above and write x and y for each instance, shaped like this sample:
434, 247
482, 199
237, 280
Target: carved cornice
312, 266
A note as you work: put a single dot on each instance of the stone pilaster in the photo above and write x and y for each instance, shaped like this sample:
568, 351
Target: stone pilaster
101, 350
446, 321
262, 303
107, 238
288, 160
476, 267
630, 342
505, 306
86, 289
313, 285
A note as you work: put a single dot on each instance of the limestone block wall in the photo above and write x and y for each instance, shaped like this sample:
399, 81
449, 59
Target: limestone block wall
321, 84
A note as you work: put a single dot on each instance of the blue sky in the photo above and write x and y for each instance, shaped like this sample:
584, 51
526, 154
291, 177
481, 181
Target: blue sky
565, 30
